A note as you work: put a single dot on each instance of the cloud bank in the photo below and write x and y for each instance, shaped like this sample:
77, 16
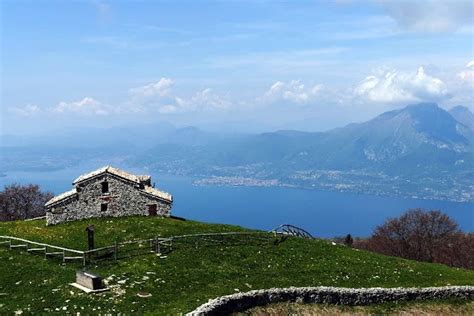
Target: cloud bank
387, 87
392, 86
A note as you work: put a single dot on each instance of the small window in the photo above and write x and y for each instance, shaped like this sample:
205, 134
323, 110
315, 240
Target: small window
105, 187
103, 207
57, 210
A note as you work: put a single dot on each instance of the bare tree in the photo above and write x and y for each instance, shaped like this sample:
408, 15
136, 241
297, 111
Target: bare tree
22, 202
458, 251
425, 236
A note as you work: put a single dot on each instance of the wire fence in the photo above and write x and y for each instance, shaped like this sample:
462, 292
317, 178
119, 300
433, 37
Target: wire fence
157, 245
116, 251
130, 248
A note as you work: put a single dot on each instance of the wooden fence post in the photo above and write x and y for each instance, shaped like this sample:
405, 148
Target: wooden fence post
157, 245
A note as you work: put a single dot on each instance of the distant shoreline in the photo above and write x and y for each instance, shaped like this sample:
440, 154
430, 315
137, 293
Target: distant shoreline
229, 181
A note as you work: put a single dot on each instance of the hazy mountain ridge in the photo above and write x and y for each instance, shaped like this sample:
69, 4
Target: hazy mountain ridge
420, 150
420, 147
388, 137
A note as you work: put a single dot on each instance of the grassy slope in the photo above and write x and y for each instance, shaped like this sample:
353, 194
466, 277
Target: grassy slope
195, 271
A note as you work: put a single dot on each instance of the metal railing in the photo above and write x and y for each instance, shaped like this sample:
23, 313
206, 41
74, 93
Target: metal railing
292, 230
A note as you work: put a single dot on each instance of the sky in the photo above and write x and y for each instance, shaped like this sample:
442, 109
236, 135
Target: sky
229, 66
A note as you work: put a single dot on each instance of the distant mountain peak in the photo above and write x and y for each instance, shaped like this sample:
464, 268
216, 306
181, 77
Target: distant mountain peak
412, 126
423, 108
463, 115
412, 109
460, 108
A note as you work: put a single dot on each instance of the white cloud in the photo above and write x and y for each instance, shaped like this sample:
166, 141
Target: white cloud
467, 75
430, 15
293, 91
27, 110
159, 96
160, 88
205, 100
86, 106
393, 86
208, 99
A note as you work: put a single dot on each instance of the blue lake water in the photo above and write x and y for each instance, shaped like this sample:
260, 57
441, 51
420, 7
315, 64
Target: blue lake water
324, 214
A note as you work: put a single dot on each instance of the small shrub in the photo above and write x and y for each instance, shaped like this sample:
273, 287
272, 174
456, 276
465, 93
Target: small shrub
348, 241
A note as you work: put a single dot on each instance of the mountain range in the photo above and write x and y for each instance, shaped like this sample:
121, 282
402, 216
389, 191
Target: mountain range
420, 150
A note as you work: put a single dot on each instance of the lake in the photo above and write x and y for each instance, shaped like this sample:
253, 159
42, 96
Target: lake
324, 214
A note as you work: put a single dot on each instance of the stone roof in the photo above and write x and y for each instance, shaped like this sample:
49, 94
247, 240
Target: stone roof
158, 193
144, 178
114, 171
61, 197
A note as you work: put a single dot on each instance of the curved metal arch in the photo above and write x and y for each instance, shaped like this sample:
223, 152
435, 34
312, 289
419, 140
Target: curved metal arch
292, 230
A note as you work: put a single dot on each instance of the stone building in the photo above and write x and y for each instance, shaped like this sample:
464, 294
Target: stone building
108, 192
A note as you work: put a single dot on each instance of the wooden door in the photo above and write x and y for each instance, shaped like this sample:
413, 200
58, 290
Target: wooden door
152, 210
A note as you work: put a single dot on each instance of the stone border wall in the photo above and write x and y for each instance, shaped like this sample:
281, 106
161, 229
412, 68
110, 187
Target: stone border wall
328, 295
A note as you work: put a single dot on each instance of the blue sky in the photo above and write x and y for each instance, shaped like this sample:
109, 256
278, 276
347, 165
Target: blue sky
229, 65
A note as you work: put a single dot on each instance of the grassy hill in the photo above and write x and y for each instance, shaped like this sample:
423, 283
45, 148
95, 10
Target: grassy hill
195, 271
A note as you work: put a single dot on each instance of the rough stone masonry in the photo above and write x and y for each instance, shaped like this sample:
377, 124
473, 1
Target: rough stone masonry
238, 302
108, 192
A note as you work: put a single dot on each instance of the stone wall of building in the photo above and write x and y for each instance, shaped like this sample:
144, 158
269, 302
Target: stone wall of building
124, 198
238, 302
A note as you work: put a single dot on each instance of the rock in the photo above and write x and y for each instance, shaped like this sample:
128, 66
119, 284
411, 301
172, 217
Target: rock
144, 294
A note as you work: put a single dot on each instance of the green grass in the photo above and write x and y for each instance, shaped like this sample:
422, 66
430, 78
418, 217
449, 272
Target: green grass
195, 271
107, 230
442, 307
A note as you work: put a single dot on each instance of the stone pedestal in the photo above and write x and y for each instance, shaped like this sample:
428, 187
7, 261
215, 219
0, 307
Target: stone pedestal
89, 282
